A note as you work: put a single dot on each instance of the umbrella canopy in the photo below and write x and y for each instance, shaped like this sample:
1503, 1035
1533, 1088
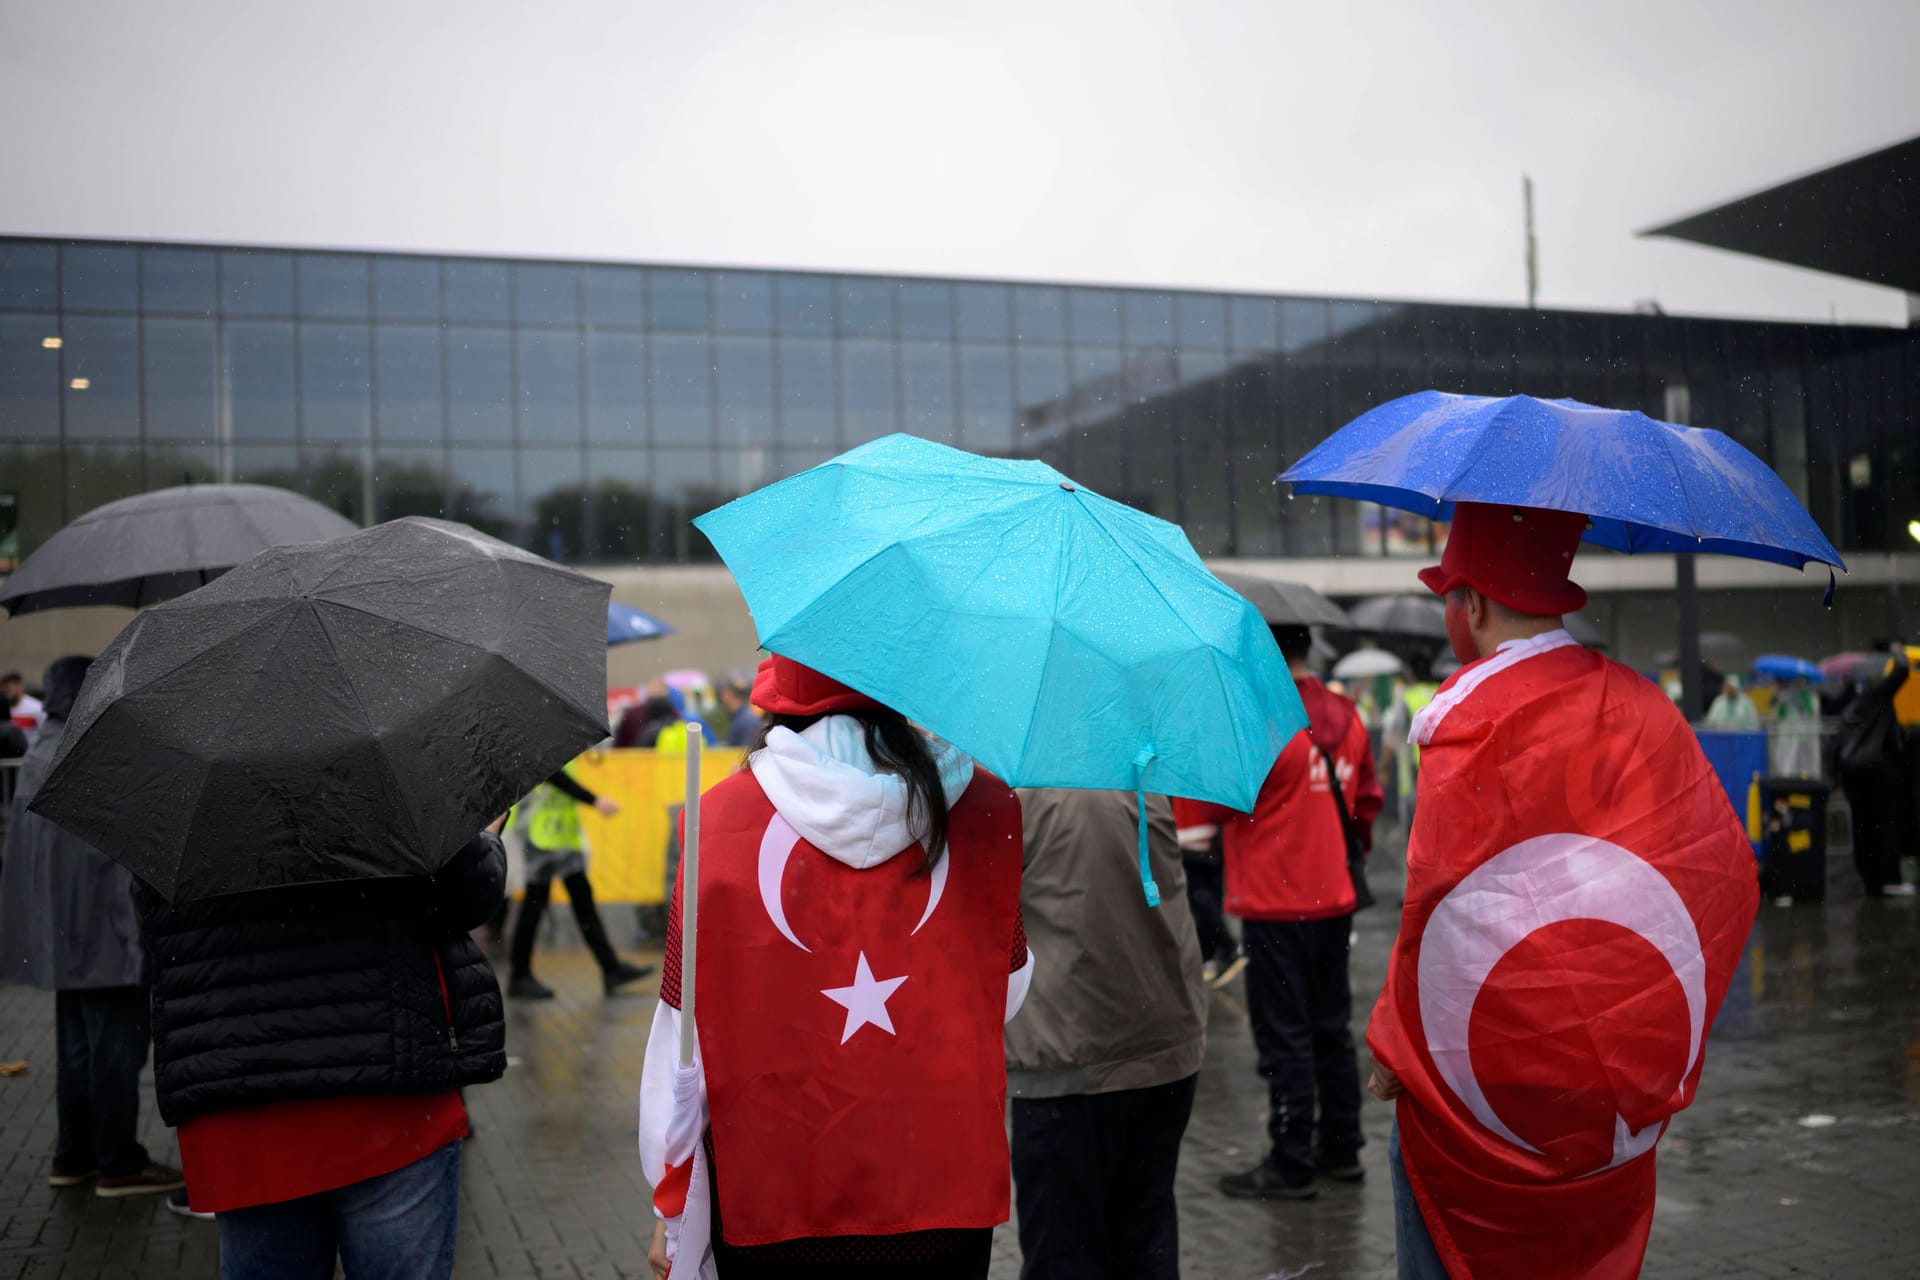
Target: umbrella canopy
626, 623
1840, 666
1364, 664
155, 546
1721, 648
1780, 666
1284, 604
1059, 638
1422, 617
345, 709
1644, 485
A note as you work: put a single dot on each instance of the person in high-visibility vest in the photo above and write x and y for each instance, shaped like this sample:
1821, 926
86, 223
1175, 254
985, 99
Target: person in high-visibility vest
557, 847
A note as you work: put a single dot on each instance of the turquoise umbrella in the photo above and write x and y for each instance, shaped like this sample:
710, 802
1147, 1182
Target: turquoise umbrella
1059, 638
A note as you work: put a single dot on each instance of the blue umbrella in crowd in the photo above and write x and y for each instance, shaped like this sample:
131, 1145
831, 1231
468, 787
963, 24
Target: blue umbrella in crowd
1780, 666
626, 623
1060, 638
1644, 485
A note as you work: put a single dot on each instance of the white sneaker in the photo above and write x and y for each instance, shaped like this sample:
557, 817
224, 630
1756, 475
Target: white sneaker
1898, 891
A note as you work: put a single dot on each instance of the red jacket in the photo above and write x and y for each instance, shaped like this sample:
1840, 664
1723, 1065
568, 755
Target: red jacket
1287, 860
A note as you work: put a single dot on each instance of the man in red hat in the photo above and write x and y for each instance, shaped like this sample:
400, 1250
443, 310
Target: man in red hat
1578, 895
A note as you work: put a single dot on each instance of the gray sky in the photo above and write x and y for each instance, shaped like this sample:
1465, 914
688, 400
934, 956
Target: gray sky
1361, 149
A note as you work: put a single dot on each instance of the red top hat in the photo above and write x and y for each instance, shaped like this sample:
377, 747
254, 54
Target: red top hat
783, 687
1519, 556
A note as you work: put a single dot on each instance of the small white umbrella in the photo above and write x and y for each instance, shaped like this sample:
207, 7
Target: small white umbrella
1363, 664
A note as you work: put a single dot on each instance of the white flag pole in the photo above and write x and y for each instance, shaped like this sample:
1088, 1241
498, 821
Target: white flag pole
690, 890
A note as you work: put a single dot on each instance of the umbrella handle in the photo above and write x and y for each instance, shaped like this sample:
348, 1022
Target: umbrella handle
690, 890
1140, 799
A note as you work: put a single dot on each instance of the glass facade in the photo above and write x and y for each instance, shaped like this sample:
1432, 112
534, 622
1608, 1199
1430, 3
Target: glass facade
588, 410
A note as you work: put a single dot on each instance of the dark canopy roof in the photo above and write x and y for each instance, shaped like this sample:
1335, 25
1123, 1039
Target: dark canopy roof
1859, 219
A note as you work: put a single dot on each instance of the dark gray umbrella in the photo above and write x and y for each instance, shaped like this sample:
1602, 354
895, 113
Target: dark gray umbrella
1285, 604
1421, 616
155, 546
1721, 648
344, 709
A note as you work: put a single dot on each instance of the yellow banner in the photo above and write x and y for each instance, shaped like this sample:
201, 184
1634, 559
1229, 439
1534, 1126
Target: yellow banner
629, 861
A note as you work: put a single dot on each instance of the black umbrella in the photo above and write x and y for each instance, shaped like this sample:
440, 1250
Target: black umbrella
1420, 616
155, 546
1285, 604
345, 709
1723, 649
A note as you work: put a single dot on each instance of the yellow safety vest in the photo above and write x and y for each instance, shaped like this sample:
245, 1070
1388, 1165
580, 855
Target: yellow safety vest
554, 821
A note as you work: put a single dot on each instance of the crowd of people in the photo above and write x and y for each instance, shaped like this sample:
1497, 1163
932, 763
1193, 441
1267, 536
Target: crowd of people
927, 998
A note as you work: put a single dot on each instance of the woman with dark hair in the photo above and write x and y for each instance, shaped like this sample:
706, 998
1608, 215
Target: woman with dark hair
859, 950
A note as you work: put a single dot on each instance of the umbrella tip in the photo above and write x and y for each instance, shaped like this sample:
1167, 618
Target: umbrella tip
1067, 485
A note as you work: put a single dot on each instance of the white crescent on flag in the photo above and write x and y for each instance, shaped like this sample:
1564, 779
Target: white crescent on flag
776, 848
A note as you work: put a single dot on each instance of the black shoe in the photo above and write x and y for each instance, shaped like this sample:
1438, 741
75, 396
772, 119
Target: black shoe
524, 986
71, 1177
623, 973
1341, 1166
1262, 1183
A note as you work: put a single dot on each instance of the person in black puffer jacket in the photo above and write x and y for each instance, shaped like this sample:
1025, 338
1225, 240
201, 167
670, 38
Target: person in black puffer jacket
310, 1043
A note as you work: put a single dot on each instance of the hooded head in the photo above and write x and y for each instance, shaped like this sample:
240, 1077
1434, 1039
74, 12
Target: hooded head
61, 683
783, 687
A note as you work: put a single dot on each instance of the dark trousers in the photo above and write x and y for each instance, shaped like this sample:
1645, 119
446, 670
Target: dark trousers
1882, 807
1300, 1007
1093, 1179
102, 1045
534, 905
1206, 898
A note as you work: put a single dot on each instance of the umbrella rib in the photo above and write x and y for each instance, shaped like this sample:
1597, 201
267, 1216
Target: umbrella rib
366, 720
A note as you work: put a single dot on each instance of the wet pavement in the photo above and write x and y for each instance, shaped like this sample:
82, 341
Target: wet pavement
1802, 1156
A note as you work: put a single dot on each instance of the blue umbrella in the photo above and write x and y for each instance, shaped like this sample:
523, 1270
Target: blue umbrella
1059, 638
1780, 666
1644, 485
626, 623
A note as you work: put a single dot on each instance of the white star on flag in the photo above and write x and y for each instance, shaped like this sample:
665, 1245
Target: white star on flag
866, 1000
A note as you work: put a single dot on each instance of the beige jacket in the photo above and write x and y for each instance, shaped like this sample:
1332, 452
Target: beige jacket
1117, 1000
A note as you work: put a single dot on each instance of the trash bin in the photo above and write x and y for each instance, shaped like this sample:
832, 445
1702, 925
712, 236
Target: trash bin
1793, 838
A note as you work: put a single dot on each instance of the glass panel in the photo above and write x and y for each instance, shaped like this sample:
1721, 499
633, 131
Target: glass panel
409, 482
1098, 388
803, 304
739, 471
746, 390
868, 407
334, 286
171, 464
99, 474
182, 379
1095, 315
1202, 318
102, 368
866, 306
549, 386
926, 390
1039, 314
28, 273
1255, 323
617, 388
482, 489
620, 503
681, 387
407, 365
678, 299
983, 311
257, 378
743, 301
553, 500
336, 393
256, 284
791, 462
32, 510
808, 393
1149, 319
1788, 432
476, 291
616, 295
926, 309
986, 398
479, 386
1303, 324
274, 464
29, 379
406, 288
185, 280
99, 278
545, 294
340, 478
683, 488
1040, 380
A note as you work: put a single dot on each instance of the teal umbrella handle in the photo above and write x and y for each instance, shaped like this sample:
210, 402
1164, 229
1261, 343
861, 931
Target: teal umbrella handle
1140, 798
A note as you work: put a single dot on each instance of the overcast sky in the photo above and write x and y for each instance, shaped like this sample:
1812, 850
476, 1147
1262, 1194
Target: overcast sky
1371, 150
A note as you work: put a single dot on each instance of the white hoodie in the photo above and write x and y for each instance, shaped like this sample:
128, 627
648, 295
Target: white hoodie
827, 787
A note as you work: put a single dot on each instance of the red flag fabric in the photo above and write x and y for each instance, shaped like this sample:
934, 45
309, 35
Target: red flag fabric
850, 1022
1579, 892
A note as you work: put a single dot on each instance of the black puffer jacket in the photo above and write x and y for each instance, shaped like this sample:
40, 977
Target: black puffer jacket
327, 990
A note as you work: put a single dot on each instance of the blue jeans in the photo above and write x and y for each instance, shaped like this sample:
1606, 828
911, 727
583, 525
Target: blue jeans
1419, 1260
398, 1226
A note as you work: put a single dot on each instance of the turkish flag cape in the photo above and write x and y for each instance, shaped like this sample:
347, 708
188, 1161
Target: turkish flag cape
1579, 892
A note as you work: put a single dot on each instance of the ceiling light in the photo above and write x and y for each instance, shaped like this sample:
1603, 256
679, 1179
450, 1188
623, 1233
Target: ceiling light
80, 384
52, 343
